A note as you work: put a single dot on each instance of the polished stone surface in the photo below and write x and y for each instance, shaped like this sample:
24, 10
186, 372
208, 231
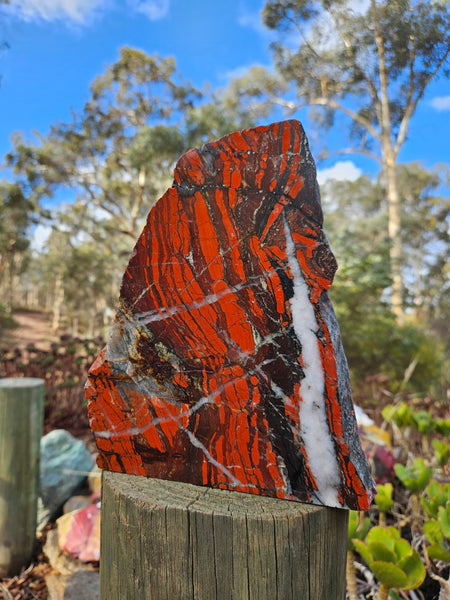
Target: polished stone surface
224, 366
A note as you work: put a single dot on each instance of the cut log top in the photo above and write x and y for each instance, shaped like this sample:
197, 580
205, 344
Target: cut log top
20, 382
184, 496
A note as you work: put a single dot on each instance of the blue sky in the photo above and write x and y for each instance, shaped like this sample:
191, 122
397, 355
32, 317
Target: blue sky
56, 48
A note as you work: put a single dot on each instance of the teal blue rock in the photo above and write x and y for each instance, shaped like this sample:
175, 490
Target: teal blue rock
65, 462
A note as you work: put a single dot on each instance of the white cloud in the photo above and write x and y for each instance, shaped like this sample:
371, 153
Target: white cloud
441, 103
152, 9
80, 12
236, 72
40, 237
343, 170
252, 19
75, 11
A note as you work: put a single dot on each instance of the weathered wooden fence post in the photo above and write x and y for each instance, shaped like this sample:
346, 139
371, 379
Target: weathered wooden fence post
21, 416
165, 540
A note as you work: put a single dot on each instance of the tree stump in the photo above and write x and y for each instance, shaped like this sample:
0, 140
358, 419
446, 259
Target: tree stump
165, 540
21, 416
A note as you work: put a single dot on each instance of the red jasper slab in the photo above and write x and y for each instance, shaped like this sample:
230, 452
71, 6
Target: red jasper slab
224, 365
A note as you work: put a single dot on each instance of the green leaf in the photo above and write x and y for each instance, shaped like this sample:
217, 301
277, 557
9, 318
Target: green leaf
444, 519
356, 528
423, 421
402, 549
433, 532
384, 535
441, 452
388, 574
443, 426
399, 414
413, 567
352, 524
415, 476
380, 551
383, 498
436, 495
363, 550
437, 552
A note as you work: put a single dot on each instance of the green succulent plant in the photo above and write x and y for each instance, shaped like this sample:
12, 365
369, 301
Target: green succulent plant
441, 452
391, 559
415, 476
442, 426
437, 532
384, 501
398, 414
436, 495
383, 498
357, 528
423, 422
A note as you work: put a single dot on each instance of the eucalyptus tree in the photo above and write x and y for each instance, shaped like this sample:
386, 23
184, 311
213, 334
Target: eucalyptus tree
364, 64
105, 168
356, 224
17, 215
113, 158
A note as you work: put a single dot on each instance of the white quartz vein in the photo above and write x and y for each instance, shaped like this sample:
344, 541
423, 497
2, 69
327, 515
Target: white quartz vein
195, 442
144, 318
314, 429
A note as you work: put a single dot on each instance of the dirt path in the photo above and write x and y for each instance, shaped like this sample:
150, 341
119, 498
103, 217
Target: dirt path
32, 328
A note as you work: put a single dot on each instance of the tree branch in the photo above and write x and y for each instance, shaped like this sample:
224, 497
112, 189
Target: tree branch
385, 122
364, 123
412, 104
361, 151
348, 47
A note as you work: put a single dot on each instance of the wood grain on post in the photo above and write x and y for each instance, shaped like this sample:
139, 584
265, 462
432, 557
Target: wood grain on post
164, 540
21, 416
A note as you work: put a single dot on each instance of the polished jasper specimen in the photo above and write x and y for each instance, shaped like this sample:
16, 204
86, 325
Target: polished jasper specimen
224, 366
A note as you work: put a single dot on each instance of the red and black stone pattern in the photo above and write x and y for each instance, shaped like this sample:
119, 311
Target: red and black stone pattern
203, 377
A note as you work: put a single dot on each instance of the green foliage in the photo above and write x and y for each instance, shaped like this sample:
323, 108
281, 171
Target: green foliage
402, 416
375, 343
437, 532
356, 222
443, 426
6, 319
357, 528
399, 414
17, 214
441, 452
415, 476
383, 498
391, 559
437, 495
364, 68
423, 422
336, 60
116, 156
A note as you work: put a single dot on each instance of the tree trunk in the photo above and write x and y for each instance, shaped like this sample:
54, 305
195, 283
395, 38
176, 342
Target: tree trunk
165, 540
389, 162
394, 232
58, 300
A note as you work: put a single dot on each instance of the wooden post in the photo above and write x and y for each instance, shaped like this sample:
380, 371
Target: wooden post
164, 540
21, 416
